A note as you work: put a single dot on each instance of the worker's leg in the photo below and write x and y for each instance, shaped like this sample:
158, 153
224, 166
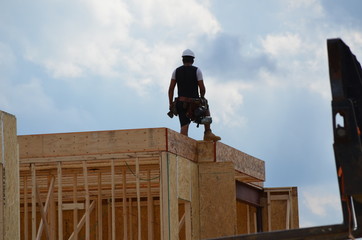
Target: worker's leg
185, 129
184, 120
208, 135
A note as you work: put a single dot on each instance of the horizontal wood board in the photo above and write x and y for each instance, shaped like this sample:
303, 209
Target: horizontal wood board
88, 143
243, 163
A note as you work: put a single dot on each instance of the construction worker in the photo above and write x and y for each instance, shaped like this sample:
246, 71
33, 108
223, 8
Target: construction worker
189, 80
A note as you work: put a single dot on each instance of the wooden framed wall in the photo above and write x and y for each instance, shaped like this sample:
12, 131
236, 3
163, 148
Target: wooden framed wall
9, 178
247, 218
130, 184
217, 199
179, 198
280, 208
115, 198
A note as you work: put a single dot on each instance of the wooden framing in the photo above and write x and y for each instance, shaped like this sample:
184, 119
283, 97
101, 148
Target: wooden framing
132, 184
281, 211
9, 179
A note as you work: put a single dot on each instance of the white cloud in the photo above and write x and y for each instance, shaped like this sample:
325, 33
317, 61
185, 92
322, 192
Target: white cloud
282, 44
110, 12
224, 104
301, 62
183, 18
310, 7
320, 202
109, 38
321, 205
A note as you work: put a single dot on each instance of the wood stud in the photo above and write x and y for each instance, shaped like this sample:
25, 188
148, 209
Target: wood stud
117, 179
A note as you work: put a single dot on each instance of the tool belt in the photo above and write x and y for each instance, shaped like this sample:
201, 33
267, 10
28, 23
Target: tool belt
191, 104
196, 109
187, 99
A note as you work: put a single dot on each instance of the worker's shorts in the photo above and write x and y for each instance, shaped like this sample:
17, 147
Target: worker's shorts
182, 108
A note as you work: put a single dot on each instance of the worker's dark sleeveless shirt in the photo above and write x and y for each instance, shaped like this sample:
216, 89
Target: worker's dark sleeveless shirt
186, 79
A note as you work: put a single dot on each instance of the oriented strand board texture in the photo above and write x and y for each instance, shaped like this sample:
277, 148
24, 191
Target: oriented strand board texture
278, 209
10, 161
206, 151
87, 143
179, 183
201, 174
195, 203
184, 178
181, 145
173, 200
243, 162
217, 200
295, 207
246, 218
169, 200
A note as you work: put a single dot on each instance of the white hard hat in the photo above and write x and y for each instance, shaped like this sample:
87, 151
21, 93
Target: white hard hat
188, 52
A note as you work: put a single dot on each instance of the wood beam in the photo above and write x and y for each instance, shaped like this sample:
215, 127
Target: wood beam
43, 210
75, 210
43, 217
99, 207
26, 228
99, 142
60, 201
87, 218
139, 221
33, 202
1, 201
113, 202
150, 215
124, 200
82, 220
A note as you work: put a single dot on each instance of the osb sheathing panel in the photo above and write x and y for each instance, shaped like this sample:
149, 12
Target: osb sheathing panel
173, 200
217, 200
295, 208
10, 164
179, 184
169, 200
278, 205
110, 144
205, 151
179, 169
278, 214
100, 142
195, 203
181, 145
244, 163
184, 178
246, 218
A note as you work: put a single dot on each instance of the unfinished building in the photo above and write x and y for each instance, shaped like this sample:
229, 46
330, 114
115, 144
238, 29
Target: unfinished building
134, 184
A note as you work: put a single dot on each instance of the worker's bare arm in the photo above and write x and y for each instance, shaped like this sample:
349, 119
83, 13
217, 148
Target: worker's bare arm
202, 88
171, 91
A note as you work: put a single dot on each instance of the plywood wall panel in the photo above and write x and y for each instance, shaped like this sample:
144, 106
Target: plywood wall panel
85, 143
243, 162
217, 200
206, 151
184, 178
181, 145
280, 208
10, 165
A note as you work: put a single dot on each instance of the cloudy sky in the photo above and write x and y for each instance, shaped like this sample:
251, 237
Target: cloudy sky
88, 65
